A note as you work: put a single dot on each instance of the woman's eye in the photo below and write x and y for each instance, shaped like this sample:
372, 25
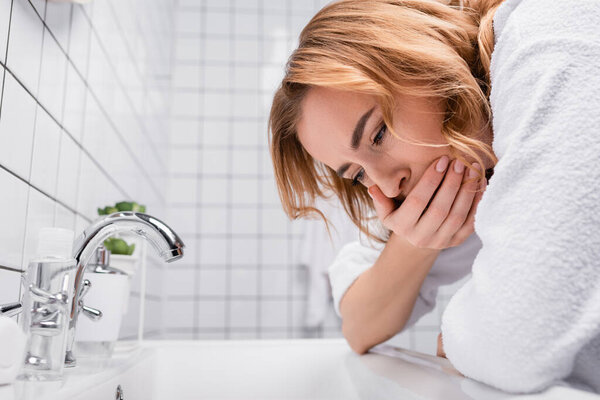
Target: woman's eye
358, 177
380, 134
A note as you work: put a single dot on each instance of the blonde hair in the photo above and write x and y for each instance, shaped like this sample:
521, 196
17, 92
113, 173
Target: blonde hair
427, 48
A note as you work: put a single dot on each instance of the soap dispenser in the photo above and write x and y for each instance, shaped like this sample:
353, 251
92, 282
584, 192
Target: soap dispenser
109, 291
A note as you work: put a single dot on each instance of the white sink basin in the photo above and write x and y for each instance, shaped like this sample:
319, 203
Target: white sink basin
273, 369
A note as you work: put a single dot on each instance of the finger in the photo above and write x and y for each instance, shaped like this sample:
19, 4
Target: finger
383, 205
442, 202
462, 205
469, 226
440, 346
415, 203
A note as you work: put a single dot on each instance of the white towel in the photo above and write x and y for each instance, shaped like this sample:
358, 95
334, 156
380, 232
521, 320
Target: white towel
317, 252
12, 349
530, 315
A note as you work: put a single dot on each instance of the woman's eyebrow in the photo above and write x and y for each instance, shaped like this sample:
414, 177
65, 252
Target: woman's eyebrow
359, 129
342, 170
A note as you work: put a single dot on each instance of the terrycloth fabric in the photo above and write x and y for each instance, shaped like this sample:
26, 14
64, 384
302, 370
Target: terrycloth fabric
12, 349
451, 265
530, 315
317, 251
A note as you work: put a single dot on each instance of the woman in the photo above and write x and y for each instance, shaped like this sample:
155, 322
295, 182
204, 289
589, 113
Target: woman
380, 93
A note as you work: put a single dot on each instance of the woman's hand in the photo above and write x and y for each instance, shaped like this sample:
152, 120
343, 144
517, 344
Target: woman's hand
430, 219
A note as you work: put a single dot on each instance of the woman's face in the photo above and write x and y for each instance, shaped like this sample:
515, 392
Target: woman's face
345, 130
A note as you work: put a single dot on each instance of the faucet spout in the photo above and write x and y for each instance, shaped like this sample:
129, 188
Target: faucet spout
162, 238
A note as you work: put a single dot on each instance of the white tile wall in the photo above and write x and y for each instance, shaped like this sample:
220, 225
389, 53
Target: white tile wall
16, 127
13, 216
243, 314
244, 282
40, 213
9, 286
83, 121
70, 162
180, 281
179, 313
221, 182
5, 8
211, 282
46, 148
211, 314
52, 75
25, 44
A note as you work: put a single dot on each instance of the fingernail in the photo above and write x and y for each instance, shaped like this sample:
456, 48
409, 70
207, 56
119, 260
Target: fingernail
483, 184
442, 164
473, 171
459, 167
369, 191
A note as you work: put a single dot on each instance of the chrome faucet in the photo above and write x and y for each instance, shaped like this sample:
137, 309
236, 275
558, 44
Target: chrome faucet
164, 240
11, 309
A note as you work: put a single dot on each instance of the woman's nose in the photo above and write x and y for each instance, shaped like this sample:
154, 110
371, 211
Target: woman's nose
390, 188
389, 182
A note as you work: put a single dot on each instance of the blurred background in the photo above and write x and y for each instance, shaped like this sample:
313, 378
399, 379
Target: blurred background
165, 102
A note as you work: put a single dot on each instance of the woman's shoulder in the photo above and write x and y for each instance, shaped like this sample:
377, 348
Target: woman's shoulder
544, 67
529, 33
530, 20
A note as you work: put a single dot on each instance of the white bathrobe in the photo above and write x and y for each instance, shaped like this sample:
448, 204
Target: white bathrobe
529, 317
451, 265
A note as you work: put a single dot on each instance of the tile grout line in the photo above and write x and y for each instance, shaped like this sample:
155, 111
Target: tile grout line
229, 221
125, 93
259, 227
25, 231
77, 143
6, 55
62, 117
290, 286
198, 181
101, 106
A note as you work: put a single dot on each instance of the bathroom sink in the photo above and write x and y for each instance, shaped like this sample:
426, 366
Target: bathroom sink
266, 369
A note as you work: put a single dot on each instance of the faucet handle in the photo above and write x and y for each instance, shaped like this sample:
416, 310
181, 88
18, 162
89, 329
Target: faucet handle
85, 287
45, 297
10, 309
92, 313
47, 319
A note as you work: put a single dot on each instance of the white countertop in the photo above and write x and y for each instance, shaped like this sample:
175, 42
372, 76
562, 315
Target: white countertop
265, 369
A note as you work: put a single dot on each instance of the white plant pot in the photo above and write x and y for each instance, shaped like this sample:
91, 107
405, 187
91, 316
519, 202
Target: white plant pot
109, 293
127, 264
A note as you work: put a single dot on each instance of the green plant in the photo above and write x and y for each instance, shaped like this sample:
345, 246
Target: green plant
122, 206
116, 245
119, 246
